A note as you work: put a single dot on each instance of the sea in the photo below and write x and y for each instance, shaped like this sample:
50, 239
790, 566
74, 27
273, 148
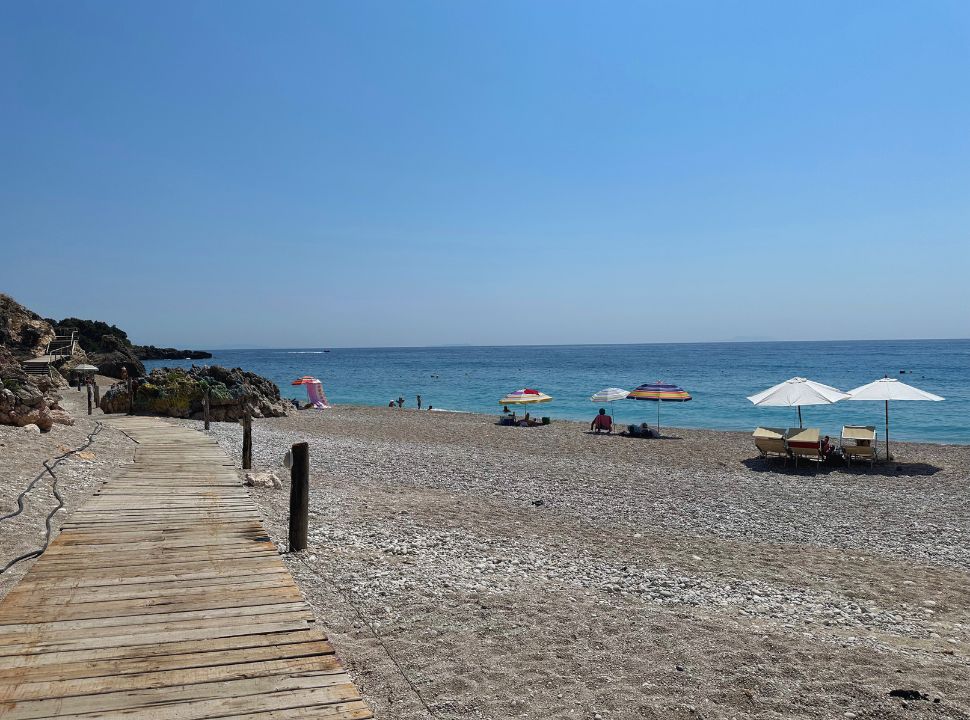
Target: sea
719, 377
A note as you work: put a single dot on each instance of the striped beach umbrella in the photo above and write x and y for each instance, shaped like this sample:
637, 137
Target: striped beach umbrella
525, 396
659, 392
609, 395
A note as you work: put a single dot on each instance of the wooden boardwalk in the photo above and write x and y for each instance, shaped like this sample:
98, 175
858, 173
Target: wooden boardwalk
164, 598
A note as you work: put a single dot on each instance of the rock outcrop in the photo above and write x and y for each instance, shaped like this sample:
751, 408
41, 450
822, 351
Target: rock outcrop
150, 352
28, 400
91, 333
176, 392
24, 333
117, 355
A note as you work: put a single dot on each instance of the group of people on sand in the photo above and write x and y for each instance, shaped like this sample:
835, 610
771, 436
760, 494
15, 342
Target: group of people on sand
604, 423
399, 403
525, 421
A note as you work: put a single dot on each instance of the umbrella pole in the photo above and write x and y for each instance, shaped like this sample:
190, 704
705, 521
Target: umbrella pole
888, 456
658, 418
800, 417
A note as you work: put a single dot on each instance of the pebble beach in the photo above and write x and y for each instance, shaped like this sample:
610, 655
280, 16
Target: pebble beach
470, 570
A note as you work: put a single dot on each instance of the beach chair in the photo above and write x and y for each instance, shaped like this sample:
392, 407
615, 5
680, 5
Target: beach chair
804, 443
770, 441
859, 442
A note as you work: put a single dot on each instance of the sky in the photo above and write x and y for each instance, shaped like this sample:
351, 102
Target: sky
307, 174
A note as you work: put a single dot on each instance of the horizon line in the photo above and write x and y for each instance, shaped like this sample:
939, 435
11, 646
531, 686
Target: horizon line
322, 348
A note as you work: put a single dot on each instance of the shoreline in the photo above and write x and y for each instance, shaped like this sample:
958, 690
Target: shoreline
620, 423
720, 378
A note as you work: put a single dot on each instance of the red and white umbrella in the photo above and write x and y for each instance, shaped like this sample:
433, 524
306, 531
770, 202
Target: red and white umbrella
525, 396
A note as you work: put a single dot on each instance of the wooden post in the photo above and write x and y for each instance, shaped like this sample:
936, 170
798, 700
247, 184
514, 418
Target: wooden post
247, 449
131, 397
299, 496
205, 408
97, 394
90, 398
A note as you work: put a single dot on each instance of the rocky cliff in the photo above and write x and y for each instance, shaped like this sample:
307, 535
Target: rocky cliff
150, 352
115, 356
176, 392
24, 333
28, 400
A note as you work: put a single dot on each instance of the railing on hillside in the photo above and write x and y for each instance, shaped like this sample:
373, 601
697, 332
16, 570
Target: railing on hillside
62, 346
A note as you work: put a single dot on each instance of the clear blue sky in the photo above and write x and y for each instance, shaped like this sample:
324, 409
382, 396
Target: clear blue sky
248, 174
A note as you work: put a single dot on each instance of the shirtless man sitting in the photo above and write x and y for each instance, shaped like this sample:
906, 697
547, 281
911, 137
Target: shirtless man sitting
602, 422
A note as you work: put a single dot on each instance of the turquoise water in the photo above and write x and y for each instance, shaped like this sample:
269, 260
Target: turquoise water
718, 375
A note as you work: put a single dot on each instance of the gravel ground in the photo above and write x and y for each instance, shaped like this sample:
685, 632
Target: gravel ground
22, 454
470, 570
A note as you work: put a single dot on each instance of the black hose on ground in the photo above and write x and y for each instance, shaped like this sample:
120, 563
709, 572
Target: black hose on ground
48, 468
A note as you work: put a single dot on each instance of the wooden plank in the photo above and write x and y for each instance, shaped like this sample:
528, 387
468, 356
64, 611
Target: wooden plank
249, 613
179, 697
247, 668
89, 668
120, 635
132, 655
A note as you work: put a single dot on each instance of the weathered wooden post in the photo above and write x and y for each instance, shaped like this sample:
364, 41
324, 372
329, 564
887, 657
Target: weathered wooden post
299, 496
205, 408
131, 397
97, 394
90, 397
247, 449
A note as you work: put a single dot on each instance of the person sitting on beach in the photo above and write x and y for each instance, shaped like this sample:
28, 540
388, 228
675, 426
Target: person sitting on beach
827, 448
525, 421
602, 422
391, 404
505, 409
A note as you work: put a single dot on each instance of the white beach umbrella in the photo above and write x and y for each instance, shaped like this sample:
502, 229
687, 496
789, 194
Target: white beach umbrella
609, 395
886, 389
797, 392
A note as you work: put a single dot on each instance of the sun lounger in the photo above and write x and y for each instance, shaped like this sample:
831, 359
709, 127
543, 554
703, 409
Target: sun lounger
771, 441
859, 442
804, 443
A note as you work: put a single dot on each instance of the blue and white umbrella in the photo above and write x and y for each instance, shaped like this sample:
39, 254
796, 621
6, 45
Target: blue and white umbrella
609, 395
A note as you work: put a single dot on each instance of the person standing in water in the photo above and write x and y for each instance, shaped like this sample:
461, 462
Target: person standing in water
419, 402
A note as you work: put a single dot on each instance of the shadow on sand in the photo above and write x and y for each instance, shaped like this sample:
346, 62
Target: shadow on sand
885, 469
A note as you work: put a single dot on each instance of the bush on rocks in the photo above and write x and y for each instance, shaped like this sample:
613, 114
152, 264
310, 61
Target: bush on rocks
175, 392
